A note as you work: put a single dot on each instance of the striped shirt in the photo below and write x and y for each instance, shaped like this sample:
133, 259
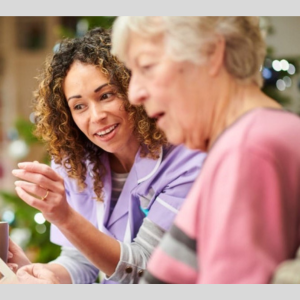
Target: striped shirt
118, 181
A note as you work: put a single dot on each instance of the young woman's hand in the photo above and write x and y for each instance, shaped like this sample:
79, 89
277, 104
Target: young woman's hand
42, 188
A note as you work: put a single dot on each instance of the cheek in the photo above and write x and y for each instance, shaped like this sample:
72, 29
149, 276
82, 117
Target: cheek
80, 122
125, 120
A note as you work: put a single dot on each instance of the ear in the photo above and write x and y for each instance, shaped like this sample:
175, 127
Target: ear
216, 57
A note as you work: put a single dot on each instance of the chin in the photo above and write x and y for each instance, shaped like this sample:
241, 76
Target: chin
195, 145
192, 146
174, 138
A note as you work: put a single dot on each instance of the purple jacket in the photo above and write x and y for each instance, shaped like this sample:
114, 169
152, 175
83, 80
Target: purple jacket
156, 188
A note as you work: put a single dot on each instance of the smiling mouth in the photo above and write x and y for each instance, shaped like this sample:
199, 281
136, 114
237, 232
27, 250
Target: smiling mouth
107, 131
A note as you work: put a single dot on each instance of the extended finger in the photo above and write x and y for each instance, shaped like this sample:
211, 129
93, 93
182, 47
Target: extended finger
36, 167
38, 179
33, 189
30, 200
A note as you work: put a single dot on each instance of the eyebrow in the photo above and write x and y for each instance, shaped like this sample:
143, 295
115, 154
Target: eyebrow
95, 91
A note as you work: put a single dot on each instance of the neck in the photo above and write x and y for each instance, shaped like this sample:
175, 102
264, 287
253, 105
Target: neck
123, 162
237, 100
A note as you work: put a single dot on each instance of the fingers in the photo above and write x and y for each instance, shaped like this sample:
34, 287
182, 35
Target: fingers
12, 248
31, 200
32, 188
13, 267
43, 176
16, 255
33, 171
36, 178
36, 273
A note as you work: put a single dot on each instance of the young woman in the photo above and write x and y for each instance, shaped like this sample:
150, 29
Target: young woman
115, 184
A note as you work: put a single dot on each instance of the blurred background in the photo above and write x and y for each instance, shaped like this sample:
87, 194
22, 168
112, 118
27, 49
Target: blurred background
24, 44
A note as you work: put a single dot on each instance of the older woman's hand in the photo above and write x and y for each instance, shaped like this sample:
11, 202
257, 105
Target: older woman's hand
36, 274
42, 188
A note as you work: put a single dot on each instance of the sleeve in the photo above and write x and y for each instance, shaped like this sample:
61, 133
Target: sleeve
81, 201
79, 268
184, 168
245, 228
134, 256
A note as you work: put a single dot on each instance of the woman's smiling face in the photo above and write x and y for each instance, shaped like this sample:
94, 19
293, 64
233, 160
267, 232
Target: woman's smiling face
97, 110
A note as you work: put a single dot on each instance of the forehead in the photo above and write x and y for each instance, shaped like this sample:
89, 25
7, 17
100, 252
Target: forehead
139, 45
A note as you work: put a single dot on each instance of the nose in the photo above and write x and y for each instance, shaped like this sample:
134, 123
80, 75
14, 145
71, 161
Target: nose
137, 93
97, 113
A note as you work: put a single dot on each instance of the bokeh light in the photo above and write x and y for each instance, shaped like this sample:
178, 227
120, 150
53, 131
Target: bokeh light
288, 81
276, 65
8, 216
284, 65
291, 70
40, 228
39, 218
280, 84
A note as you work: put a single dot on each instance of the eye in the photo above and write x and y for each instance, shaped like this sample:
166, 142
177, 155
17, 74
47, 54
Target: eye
146, 67
78, 107
107, 96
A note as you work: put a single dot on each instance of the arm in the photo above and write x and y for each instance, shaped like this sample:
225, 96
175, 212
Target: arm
247, 220
38, 178
76, 268
135, 256
103, 251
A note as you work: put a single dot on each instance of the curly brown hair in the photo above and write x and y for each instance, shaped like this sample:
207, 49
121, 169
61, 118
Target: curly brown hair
66, 144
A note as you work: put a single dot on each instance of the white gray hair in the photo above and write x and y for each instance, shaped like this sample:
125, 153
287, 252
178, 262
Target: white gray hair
192, 38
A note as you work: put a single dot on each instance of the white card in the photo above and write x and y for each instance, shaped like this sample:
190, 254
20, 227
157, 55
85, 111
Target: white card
6, 274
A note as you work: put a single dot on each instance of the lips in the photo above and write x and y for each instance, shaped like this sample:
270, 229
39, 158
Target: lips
156, 115
106, 130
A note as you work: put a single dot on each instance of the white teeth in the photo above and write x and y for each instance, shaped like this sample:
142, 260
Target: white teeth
110, 129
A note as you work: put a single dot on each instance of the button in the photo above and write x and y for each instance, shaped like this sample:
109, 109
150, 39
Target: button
128, 270
140, 273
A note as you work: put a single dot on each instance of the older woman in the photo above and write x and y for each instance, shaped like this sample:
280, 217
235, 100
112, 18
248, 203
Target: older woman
115, 184
200, 78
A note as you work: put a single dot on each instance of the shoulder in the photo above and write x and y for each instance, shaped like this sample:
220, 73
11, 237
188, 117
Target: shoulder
58, 168
178, 151
179, 158
260, 129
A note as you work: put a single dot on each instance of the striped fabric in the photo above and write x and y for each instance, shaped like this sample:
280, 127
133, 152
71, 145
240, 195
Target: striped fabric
118, 181
79, 268
136, 254
177, 250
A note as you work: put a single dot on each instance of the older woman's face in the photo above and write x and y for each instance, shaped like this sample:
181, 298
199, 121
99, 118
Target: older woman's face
168, 90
